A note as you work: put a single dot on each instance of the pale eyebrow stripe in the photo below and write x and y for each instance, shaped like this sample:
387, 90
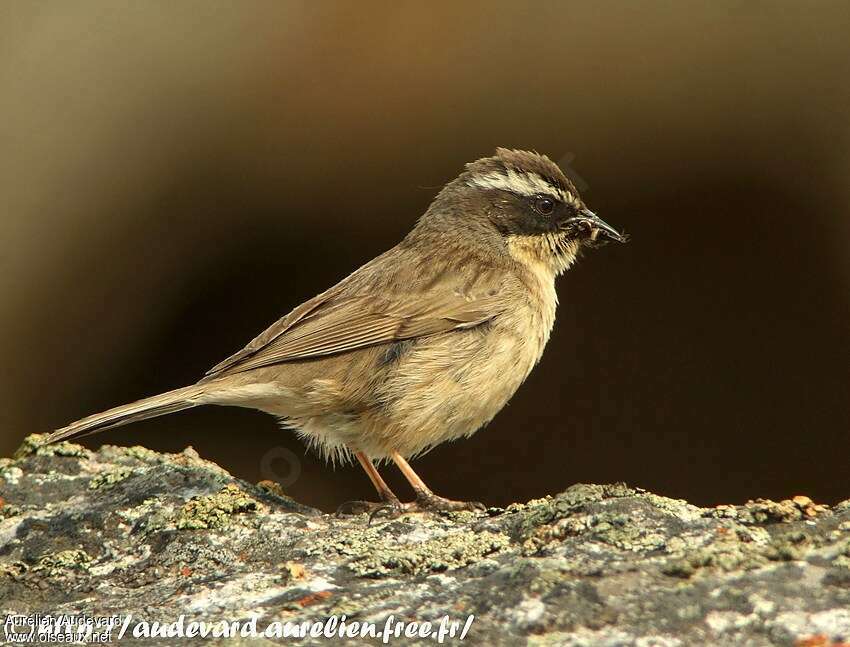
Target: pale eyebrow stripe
527, 184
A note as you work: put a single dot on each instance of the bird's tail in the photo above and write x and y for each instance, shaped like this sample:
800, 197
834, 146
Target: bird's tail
157, 405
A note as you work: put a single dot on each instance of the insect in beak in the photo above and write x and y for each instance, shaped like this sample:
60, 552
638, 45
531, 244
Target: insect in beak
592, 225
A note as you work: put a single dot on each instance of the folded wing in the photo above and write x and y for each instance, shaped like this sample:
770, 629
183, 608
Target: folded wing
333, 322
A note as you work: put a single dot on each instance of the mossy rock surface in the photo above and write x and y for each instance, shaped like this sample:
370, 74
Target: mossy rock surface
128, 530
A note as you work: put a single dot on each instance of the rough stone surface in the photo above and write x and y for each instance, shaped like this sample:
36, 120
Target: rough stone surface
128, 530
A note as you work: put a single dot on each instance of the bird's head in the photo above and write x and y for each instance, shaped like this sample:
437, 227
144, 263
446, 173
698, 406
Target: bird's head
530, 203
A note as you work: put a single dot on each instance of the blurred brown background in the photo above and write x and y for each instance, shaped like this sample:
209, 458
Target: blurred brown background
175, 176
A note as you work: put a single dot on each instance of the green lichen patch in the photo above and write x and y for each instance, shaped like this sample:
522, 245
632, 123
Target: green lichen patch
11, 473
612, 528
136, 451
724, 556
589, 493
411, 545
529, 518
110, 478
214, 510
843, 558
677, 507
623, 532
743, 550
60, 563
150, 515
34, 444
14, 569
449, 552
188, 458
9, 510
766, 511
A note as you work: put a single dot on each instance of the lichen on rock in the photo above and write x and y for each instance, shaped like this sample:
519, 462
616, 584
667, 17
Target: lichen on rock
593, 565
109, 478
214, 510
442, 553
53, 564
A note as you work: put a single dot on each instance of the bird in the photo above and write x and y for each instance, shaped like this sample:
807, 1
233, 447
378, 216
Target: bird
424, 344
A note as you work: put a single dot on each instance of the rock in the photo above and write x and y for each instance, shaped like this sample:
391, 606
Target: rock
129, 531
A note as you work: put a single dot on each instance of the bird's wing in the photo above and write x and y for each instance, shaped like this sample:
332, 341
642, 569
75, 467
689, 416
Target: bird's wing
335, 322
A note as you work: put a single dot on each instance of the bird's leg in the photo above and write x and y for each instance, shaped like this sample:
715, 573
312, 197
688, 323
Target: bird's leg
380, 484
389, 501
426, 500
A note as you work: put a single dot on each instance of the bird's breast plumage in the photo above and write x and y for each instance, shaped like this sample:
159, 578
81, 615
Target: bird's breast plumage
449, 386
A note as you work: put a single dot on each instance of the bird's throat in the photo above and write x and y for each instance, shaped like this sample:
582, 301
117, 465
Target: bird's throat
551, 253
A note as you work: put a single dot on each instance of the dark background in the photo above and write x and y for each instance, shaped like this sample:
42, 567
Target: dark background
175, 176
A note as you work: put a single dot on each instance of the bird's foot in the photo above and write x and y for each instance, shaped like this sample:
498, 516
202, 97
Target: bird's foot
430, 502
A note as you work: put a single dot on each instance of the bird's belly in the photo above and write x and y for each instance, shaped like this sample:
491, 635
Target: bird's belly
448, 387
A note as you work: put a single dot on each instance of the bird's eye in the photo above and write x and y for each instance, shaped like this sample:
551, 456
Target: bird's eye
544, 205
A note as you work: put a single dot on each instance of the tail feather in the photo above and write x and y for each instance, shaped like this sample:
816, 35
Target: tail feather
157, 405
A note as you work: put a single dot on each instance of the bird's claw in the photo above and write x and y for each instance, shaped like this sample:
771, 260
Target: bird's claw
387, 510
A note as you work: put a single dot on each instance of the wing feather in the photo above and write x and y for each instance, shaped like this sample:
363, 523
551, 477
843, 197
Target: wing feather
334, 322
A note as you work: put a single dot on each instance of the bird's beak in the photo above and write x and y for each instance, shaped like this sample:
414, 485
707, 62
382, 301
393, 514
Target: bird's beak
595, 224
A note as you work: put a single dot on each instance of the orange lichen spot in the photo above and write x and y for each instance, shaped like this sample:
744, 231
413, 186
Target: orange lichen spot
313, 598
818, 640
